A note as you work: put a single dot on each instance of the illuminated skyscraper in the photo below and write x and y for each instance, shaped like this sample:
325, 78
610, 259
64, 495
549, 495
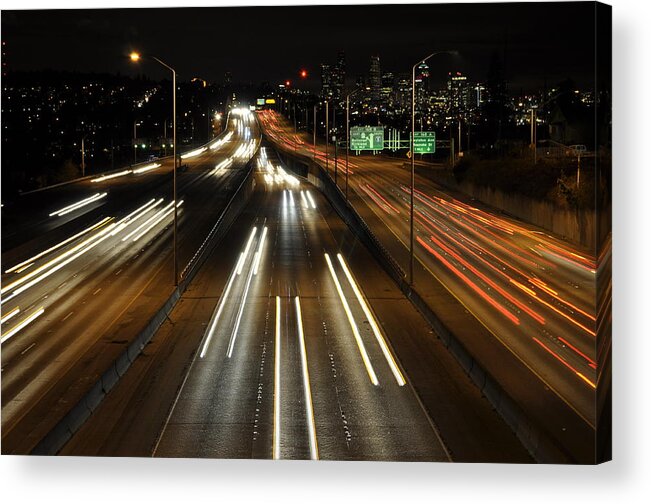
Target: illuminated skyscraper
375, 80
333, 78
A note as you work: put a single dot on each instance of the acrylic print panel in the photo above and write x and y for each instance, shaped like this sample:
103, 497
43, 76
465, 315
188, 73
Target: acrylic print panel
373, 232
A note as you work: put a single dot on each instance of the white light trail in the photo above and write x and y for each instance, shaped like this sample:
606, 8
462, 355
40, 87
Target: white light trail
43, 267
371, 319
309, 196
305, 203
353, 325
147, 168
132, 217
78, 205
291, 198
258, 255
153, 224
102, 235
111, 176
223, 164
12, 313
218, 143
152, 218
58, 245
240, 311
220, 308
276, 432
244, 254
23, 323
193, 153
309, 408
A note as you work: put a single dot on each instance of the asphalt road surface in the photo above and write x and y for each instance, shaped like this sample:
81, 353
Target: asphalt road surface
77, 287
534, 292
292, 343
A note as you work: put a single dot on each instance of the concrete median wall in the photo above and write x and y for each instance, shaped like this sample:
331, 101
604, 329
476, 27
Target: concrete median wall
75, 418
533, 436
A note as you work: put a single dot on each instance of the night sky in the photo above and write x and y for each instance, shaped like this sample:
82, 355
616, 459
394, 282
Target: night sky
540, 41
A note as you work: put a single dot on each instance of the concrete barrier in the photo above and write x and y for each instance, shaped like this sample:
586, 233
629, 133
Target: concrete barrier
52, 442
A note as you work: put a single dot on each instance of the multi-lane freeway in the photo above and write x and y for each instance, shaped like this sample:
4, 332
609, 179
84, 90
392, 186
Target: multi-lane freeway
293, 343
534, 292
86, 265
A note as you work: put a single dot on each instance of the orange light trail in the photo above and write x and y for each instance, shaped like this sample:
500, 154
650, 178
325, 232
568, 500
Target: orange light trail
470, 283
559, 358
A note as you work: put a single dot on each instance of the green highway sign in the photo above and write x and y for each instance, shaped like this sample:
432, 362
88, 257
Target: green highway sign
424, 142
367, 138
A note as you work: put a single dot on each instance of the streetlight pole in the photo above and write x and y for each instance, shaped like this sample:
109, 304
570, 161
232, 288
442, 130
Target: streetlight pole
314, 135
135, 57
83, 161
327, 133
347, 139
411, 199
348, 96
135, 144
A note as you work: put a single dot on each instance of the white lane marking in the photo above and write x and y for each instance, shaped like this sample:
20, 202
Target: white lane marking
28, 349
353, 325
276, 432
97, 291
66, 317
371, 319
314, 447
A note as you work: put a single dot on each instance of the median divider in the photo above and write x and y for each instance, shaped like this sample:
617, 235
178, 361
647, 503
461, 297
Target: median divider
57, 437
542, 447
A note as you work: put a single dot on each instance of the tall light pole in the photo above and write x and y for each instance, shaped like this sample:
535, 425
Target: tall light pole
135, 144
314, 134
534, 141
136, 57
411, 149
327, 133
348, 96
83, 160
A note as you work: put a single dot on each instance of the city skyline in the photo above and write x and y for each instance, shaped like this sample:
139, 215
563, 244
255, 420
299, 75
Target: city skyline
475, 33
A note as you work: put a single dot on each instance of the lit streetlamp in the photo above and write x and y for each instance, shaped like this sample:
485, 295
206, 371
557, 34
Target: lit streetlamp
348, 96
135, 144
411, 151
135, 57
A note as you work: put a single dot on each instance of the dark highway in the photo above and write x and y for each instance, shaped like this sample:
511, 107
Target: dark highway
77, 287
293, 343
